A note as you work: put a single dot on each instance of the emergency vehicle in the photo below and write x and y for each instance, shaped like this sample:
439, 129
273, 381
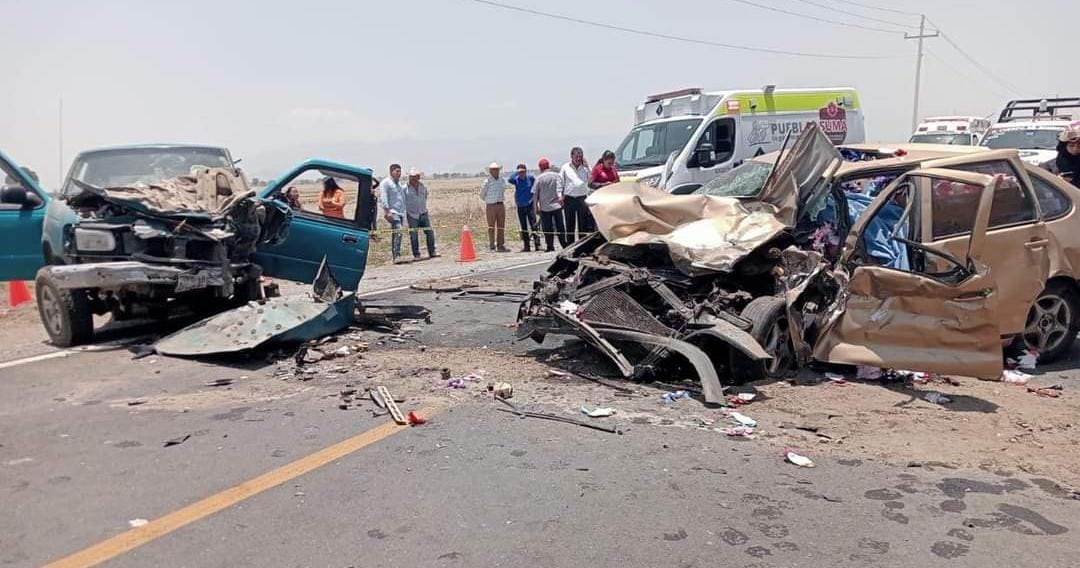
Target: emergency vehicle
682, 139
1032, 126
952, 130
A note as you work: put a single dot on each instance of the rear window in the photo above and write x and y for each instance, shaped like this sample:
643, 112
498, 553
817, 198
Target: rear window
1013, 204
1052, 201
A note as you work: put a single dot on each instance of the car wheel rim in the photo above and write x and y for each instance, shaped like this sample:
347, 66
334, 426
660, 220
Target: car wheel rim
778, 344
50, 311
1048, 323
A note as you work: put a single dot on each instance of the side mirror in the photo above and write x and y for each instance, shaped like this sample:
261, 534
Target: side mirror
704, 155
19, 195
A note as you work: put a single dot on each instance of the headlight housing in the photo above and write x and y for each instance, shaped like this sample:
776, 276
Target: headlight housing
651, 181
94, 240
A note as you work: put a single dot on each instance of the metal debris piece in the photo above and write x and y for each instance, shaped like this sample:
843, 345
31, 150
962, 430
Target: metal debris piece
492, 295
553, 417
395, 412
597, 411
220, 383
503, 391
177, 441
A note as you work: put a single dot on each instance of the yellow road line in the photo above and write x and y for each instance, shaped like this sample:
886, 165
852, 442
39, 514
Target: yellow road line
157, 528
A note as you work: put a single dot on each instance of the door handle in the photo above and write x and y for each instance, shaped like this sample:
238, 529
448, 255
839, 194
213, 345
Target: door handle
350, 239
974, 296
1040, 243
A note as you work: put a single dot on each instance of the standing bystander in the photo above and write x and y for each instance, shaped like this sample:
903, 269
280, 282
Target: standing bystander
392, 201
604, 172
575, 182
417, 212
548, 197
523, 201
493, 194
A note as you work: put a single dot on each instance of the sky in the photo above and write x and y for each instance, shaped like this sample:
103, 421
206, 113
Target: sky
454, 84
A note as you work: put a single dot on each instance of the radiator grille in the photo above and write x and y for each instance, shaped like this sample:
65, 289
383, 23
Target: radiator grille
615, 307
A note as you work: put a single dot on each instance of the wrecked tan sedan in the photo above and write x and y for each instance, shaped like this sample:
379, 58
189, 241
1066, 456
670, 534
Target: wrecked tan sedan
892, 259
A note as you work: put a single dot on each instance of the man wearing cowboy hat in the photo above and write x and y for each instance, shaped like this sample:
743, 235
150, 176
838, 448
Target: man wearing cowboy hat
417, 213
493, 194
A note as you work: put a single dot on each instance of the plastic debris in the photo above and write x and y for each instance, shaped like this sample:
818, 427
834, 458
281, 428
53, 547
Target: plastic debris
835, 379
793, 457
1053, 391
867, 373
569, 308
742, 419
738, 431
414, 419
558, 373
457, 383
597, 411
936, 397
136, 523
177, 441
1027, 360
670, 397
1015, 377
741, 398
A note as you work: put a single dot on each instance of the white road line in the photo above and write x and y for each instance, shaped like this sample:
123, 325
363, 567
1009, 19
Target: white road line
105, 347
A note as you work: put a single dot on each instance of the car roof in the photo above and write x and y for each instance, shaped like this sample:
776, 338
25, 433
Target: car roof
124, 147
914, 153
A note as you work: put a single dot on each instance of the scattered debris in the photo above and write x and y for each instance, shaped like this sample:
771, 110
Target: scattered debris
445, 373
492, 295
136, 523
794, 458
742, 419
597, 411
136, 402
935, 397
220, 382
670, 397
1015, 377
414, 419
503, 391
553, 417
390, 405
604, 382
742, 398
867, 373
177, 441
738, 431
1049, 392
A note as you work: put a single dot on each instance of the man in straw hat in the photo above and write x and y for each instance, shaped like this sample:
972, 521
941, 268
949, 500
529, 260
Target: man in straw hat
493, 194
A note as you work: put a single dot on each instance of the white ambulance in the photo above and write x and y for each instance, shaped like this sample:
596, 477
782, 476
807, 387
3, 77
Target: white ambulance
682, 139
953, 130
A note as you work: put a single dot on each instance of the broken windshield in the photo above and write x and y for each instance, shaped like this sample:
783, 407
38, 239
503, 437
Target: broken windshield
953, 138
129, 166
650, 145
743, 181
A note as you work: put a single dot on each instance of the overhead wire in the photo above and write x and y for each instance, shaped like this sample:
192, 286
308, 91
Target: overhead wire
869, 7
990, 86
683, 39
986, 71
858, 15
816, 18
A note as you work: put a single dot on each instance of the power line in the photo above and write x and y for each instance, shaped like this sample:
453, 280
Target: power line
1009, 86
891, 10
858, 15
817, 19
954, 69
678, 38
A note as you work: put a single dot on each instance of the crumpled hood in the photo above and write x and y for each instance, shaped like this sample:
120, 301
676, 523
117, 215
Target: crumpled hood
702, 233
193, 196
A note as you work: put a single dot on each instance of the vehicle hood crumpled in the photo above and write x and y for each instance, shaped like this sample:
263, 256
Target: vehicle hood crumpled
702, 233
205, 193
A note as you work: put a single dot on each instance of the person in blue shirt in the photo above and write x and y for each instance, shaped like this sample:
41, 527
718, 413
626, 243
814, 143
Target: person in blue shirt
523, 201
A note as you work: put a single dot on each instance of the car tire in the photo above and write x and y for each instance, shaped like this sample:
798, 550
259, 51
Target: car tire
1052, 323
66, 314
768, 316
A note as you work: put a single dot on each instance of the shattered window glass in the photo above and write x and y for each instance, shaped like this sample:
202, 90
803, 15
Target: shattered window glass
129, 166
1052, 202
1012, 203
743, 181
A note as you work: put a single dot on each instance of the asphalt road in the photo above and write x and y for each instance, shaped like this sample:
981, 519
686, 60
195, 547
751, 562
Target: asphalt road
474, 487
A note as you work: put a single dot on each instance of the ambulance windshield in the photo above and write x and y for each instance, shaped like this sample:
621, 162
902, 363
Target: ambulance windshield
649, 145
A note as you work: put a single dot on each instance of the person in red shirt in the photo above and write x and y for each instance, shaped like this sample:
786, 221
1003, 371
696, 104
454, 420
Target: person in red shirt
604, 172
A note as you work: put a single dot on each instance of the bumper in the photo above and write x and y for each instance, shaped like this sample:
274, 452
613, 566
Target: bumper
133, 273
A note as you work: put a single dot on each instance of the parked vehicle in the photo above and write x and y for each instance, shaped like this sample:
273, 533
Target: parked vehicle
139, 230
954, 130
910, 257
1032, 126
682, 139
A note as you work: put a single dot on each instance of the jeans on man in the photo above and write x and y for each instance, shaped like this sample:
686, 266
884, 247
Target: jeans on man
421, 222
552, 224
395, 237
527, 222
578, 217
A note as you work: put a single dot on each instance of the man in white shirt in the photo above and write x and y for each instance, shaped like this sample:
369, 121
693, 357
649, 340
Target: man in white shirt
575, 182
392, 200
493, 194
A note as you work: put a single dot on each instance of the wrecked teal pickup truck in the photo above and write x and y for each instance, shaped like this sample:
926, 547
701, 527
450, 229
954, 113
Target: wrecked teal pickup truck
139, 231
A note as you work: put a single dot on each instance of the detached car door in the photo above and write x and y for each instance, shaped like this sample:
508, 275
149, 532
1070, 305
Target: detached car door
342, 238
1017, 241
912, 314
22, 210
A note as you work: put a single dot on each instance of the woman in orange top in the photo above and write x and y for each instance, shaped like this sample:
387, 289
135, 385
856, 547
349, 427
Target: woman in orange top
332, 199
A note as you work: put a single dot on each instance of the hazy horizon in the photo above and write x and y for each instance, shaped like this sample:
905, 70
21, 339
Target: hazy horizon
449, 85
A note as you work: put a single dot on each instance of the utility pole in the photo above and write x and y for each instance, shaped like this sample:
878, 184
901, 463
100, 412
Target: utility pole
918, 67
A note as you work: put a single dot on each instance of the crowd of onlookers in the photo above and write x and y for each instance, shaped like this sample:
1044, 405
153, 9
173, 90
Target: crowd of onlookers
550, 206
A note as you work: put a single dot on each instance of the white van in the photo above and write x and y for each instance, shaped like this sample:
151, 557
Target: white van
682, 139
953, 130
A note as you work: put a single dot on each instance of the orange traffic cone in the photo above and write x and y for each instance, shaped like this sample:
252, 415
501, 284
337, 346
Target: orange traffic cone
468, 251
18, 293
